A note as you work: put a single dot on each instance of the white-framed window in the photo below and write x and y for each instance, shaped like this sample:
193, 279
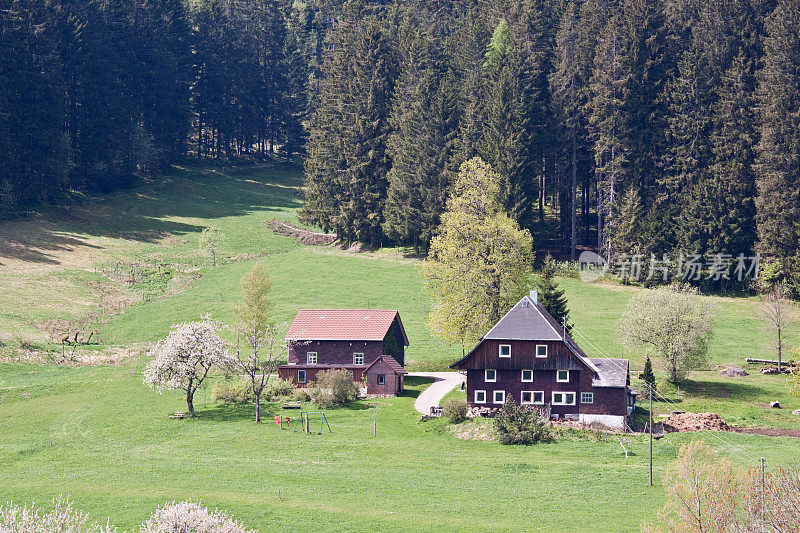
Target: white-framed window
562, 376
527, 376
505, 350
480, 396
587, 397
381, 379
301, 376
499, 396
563, 398
532, 397
489, 375
358, 358
541, 350
311, 358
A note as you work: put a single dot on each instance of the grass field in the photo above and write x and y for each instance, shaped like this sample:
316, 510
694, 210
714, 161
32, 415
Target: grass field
101, 436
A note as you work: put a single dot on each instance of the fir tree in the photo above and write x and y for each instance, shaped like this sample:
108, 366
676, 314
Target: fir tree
647, 374
778, 163
550, 296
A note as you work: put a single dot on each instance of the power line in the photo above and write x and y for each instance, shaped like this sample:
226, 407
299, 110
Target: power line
736, 449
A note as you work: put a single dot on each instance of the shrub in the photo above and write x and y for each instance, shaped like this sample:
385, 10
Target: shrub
301, 395
237, 390
455, 410
518, 425
189, 517
62, 518
334, 387
278, 388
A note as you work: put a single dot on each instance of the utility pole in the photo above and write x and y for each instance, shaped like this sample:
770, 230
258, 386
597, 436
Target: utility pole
651, 433
763, 490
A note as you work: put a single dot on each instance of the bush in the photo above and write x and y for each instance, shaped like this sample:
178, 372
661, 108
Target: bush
189, 517
237, 390
301, 395
518, 425
334, 387
278, 388
455, 410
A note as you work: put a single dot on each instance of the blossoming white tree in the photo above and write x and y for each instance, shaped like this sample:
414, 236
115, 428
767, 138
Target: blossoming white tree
189, 516
184, 359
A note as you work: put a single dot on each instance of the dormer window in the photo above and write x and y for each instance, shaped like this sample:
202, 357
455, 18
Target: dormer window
541, 350
505, 350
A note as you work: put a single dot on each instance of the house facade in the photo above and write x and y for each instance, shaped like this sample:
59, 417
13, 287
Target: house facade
369, 343
530, 357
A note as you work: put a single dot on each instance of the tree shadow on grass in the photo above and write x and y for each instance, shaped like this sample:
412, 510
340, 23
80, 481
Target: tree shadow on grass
722, 390
142, 214
415, 381
235, 412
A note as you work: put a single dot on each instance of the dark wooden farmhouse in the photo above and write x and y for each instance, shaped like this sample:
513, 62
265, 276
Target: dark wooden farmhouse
369, 343
529, 356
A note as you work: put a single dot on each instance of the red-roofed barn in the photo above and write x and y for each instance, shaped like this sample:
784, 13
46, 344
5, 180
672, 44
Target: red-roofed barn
369, 342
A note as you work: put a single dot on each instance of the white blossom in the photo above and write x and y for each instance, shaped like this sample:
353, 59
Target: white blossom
190, 517
185, 357
63, 518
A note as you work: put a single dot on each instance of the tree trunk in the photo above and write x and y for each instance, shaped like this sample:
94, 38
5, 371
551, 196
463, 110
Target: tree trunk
573, 193
257, 403
190, 400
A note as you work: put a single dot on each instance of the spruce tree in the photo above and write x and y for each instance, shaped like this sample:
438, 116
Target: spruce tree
348, 160
681, 205
778, 160
550, 296
730, 189
647, 375
609, 118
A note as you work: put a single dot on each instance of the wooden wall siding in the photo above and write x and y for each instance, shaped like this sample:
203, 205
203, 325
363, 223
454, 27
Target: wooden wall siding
289, 373
523, 355
607, 401
391, 384
335, 352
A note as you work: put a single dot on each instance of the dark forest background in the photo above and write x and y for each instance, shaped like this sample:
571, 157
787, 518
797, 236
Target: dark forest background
642, 126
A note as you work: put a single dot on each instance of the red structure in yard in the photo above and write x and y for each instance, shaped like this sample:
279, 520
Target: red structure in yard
370, 343
530, 357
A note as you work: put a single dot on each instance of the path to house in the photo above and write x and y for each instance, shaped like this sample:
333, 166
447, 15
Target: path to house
444, 383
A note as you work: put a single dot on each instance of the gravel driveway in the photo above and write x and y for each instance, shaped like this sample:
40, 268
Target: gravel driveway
430, 397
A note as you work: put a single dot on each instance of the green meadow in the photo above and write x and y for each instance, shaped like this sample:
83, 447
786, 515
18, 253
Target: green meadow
99, 435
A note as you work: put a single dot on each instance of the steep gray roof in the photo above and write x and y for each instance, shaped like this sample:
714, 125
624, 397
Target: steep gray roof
528, 320
611, 372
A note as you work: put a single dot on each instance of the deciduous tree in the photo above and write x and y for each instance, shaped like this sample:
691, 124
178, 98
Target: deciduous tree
263, 339
777, 309
480, 262
184, 359
673, 323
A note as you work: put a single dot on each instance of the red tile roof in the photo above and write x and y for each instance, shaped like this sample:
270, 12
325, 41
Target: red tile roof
343, 324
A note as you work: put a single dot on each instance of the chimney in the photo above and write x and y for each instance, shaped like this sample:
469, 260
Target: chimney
535, 295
